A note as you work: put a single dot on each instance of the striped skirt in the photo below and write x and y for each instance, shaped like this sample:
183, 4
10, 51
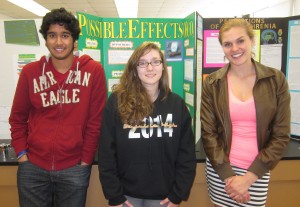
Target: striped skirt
216, 189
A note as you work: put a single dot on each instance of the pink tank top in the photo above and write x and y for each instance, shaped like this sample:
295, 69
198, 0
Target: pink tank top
244, 147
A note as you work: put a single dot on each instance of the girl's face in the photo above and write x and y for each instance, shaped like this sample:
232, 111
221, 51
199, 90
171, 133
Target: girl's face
150, 68
237, 46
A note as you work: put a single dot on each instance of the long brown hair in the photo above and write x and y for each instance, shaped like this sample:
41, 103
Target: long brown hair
134, 103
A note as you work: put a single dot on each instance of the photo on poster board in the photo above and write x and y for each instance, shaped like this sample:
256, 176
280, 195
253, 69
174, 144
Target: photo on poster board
173, 50
269, 36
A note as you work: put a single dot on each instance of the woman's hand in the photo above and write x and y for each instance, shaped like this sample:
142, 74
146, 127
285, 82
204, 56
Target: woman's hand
237, 187
167, 201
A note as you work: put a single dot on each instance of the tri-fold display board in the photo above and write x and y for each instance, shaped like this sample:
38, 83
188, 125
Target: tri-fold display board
192, 50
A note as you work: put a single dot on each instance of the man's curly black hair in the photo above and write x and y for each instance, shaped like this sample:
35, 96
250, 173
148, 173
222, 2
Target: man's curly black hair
62, 17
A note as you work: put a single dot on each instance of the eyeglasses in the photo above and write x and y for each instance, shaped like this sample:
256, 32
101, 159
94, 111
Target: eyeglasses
144, 64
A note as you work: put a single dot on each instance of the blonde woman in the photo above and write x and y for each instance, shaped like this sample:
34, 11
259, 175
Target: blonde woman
245, 117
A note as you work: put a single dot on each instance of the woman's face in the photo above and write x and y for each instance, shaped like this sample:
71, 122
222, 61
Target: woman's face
237, 45
150, 74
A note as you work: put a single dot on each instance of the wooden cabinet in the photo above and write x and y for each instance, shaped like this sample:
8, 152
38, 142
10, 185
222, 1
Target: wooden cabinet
284, 189
8, 186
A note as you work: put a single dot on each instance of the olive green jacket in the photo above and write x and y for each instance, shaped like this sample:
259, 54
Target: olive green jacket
272, 102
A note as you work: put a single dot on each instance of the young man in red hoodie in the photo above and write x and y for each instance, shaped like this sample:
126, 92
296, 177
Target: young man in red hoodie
56, 117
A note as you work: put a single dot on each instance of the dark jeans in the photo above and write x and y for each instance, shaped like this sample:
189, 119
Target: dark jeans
38, 187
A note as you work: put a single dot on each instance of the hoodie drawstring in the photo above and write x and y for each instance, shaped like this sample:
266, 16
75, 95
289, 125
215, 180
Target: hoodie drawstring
77, 67
150, 146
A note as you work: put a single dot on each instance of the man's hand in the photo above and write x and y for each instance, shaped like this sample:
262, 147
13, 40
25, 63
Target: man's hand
24, 158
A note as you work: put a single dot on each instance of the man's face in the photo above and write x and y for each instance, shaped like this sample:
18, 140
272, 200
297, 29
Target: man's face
59, 42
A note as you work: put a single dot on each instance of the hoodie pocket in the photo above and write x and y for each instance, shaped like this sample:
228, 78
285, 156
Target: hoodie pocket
71, 139
147, 179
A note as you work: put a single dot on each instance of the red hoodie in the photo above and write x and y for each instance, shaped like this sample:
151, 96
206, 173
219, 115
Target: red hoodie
57, 117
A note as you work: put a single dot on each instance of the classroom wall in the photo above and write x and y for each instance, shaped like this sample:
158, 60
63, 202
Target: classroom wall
296, 7
4, 17
7, 58
8, 70
283, 9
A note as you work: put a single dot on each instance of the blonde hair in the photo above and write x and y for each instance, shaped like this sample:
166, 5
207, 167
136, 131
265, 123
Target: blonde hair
134, 103
236, 23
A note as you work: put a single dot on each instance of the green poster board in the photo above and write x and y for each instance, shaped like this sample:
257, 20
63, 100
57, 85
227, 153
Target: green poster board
117, 38
189, 58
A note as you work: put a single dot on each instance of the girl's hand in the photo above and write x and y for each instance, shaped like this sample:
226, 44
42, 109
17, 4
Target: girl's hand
127, 203
167, 201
